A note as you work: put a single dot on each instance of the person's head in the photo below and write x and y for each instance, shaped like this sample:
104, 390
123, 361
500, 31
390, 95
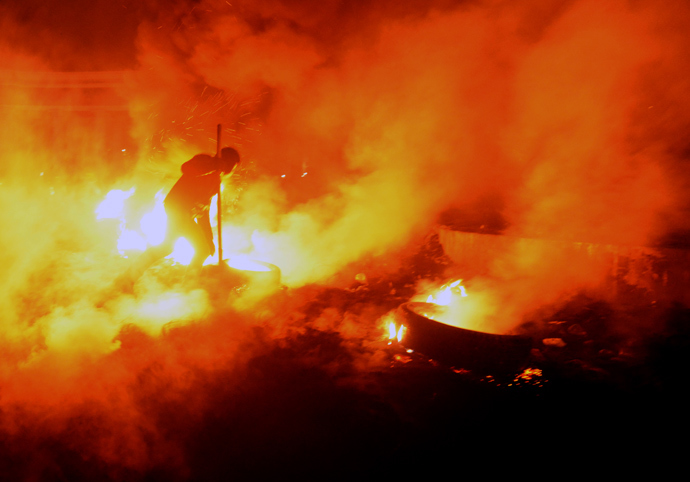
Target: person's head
229, 158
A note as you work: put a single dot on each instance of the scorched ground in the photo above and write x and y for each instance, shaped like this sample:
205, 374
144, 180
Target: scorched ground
307, 385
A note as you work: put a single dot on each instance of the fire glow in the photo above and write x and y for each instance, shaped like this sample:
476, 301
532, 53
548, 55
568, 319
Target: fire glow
447, 296
535, 114
446, 293
245, 263
395, 333
450, 304
152, 226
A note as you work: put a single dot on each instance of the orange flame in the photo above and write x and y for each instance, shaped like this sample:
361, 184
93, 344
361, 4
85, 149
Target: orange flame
395, 332
444, 296
113, 206
152, 226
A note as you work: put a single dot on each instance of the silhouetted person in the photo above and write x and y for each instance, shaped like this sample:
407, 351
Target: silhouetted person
187, 207
188, 202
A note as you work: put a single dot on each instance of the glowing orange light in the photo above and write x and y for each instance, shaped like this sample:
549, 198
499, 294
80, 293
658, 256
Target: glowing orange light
152, 225
530, 373
113, 206
395, 333
183, 252
130, 240
245, 263
444, 296
166, 307
530, 376
451, 305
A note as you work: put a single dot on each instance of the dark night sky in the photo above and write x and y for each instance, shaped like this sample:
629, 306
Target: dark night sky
76, 35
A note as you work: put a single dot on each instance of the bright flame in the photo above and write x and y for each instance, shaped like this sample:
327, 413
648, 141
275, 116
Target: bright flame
446, 293
130, 240
391, 330
153, 226
451, 305
213, 209
183, 252
154, 223
395, 333
113, 206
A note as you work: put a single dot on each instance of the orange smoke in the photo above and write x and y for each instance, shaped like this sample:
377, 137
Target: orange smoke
557, 117
358, 125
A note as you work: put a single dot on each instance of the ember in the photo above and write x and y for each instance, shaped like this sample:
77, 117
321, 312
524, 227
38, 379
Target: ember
530, 376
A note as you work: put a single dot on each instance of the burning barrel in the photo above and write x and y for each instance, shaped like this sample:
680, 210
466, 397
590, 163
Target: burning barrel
459, 347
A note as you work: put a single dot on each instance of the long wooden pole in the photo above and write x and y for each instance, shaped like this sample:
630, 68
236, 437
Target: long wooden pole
220, 210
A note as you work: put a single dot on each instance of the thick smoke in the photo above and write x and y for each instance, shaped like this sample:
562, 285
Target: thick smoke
359, 123
553, 118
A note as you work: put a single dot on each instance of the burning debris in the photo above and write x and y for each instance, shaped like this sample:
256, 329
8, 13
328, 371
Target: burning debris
435, 328
554, 135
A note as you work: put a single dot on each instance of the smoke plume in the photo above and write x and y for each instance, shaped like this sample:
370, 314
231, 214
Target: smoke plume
358, 124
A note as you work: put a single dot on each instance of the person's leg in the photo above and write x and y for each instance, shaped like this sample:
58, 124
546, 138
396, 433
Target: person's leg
187, 228
196, 238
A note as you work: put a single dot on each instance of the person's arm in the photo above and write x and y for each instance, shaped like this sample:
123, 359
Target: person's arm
200, 165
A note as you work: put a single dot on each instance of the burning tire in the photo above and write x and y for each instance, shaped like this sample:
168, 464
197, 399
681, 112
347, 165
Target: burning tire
459, 347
